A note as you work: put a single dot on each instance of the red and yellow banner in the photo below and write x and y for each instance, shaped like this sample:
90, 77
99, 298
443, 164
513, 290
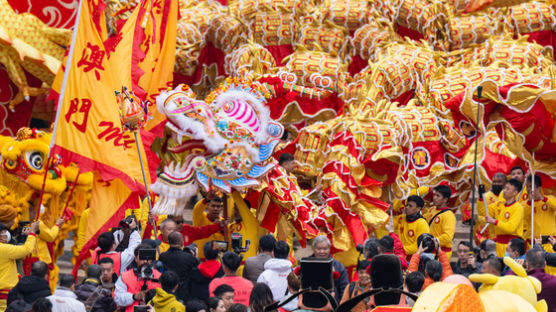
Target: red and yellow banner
88, 130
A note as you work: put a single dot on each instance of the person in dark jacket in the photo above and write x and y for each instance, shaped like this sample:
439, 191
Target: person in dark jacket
32, 287
179, 261
202, 275
321, 249
91, 292
466, 264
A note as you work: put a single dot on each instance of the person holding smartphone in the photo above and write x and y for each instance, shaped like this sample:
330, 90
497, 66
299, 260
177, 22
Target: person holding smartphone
9, 254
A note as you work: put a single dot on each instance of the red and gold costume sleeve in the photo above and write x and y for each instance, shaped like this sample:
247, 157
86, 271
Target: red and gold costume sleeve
409, 231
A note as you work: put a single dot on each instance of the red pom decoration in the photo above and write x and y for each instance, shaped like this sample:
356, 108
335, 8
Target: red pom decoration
336, 275
297, 271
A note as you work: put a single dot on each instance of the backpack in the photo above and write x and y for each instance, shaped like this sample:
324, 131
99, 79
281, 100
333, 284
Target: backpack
19, 305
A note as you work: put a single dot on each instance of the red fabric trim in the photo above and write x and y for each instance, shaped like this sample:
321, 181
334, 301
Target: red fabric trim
107, 172
310, 107
412, 34
209, 55
504, 239
164, 22
271, 217
279, 52
543, 37
131, 202
138, 55
343, 173
446, 249
404, 98
357, 64
352, 222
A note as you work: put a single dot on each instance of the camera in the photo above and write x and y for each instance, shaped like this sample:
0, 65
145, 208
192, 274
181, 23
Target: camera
146, 271
237, 243
428, 242
359, 248
220, 245
127, 221
141, 308
147, 254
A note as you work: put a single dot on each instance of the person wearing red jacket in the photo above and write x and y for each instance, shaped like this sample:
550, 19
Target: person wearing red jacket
391, 244
442, 258
190, 233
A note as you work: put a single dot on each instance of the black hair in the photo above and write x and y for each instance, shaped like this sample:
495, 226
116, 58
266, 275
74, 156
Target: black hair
417, 200
175, 238
169, 280
518, 244
434, 270
238, 307
496, 263
105, 260
444, 190
105, 241
517, 168
414, 281
140, 247
3, 227
42, 305
39, 269
212, 302
67, 280
363, 265
281, 250
516, 184
95, 271
386, 243
210, 254
537, 179
261, 296
222, 289
371, 248
195, 305
536, 258
285, 158
231, 260
266, 242
215, 198
465, 243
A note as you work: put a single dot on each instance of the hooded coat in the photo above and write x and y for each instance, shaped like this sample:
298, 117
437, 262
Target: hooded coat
275, 276
201, 276
30, 288
166, 302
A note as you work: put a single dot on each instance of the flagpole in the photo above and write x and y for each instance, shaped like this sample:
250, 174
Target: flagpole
66, 75
473, 203
153, 223
532, 226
